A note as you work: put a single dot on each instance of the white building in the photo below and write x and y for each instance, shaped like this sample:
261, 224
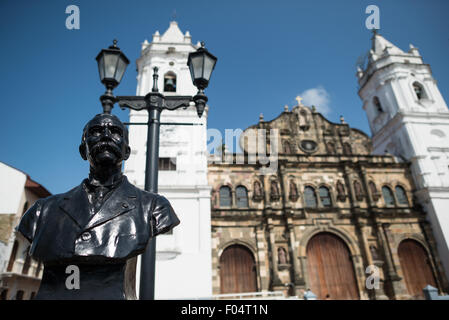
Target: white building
20, 275
183, 259
409, 118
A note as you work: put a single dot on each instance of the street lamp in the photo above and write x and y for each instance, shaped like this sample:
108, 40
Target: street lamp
201, 64
111, 65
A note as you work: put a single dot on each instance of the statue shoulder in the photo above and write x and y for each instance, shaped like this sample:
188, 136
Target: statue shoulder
162, 215
150, 197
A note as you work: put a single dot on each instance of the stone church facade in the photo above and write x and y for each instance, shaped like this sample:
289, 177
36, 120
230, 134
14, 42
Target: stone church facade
332, 217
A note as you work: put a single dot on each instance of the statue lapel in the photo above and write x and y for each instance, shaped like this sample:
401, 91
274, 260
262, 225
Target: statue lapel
76, 206
122, 200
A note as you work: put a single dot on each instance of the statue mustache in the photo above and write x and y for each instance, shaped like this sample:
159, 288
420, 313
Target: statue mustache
106, 145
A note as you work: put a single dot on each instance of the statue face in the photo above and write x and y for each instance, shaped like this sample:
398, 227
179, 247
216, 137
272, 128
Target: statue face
105, 141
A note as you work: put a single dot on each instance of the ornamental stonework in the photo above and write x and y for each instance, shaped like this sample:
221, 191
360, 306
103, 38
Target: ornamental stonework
331, 186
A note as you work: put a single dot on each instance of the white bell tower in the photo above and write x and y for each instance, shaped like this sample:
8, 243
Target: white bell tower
183, 258
409, 118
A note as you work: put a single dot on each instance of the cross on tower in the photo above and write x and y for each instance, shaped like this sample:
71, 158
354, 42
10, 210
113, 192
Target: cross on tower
299, 99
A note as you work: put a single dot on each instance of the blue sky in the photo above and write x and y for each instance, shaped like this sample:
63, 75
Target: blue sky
268, 53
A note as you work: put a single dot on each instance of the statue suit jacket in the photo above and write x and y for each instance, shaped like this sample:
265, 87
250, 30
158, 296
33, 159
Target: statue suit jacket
62, 228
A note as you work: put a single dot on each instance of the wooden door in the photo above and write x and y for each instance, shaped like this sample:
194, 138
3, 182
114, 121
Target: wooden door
237, 270
416, 267
330, 269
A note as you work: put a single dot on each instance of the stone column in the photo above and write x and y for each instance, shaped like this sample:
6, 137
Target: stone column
274, 266
262, 257
397, 285
297, 274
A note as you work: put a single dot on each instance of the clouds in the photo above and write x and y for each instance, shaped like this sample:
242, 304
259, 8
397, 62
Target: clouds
317, 97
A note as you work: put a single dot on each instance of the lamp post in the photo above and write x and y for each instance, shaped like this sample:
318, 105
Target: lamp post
111, 66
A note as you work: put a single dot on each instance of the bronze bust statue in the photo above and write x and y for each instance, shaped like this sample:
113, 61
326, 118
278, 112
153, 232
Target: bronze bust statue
100, 226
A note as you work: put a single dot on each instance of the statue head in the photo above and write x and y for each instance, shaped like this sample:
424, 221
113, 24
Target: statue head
105, 141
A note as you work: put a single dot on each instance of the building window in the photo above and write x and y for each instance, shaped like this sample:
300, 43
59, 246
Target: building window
419, 91
32, 295
310, 197
388, 196
377, 105
242, 197
19, 295
167, 164
401, 195
12, 259
225, 196
308, 145
27, 263
4, 294
325, 197
170, 82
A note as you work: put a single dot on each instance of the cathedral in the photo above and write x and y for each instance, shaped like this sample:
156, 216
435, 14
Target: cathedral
341, 208
330, 210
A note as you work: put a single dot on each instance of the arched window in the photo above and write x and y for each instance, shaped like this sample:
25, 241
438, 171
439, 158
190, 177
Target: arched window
225, 196
170, 82
19, 295
377, 105
401, 195
388, 196
310, 197
325, 197
419, 91
242, 197
347, 149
